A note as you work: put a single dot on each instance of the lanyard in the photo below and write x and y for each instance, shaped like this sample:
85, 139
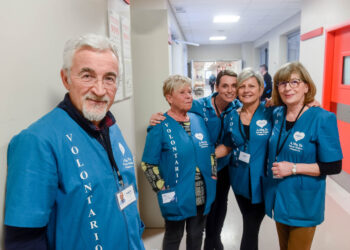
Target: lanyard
115, 168
278, 148
240, 129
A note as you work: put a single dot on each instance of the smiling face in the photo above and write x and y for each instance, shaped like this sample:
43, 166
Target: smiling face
249, 91
91, 82
181, 98
293, 96
227, 88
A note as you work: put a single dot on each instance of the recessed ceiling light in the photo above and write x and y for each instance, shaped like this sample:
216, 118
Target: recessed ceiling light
217, 38
226, 19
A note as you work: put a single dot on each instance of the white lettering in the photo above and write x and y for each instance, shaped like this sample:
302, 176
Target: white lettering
87, 187
84, 175
89, 199
166, 124
174, 149
75, 150
93, 224
96, 236
176, 162
175, 155
79, 164
69, 137
171, 137
172, 142
92, 213
168, 130
98, 247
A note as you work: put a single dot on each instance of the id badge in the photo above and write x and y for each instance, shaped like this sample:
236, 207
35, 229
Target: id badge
168, 197
243, 156
126, 197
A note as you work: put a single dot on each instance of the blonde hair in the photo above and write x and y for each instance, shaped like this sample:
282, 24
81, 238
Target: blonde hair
284, 74
248, 73
174, 82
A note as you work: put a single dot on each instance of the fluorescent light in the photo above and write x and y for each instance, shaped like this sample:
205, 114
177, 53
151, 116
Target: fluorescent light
217, 38
226, 19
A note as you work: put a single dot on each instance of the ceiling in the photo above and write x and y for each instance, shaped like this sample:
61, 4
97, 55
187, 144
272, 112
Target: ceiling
257, 17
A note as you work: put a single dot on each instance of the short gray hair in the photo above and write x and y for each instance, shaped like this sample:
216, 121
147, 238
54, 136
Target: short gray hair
248, 73
174, 82
94, 41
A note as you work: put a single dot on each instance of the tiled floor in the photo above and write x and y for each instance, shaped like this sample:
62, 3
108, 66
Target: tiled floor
332, 234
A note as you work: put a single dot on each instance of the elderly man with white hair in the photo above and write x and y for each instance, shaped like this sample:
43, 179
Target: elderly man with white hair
71, 181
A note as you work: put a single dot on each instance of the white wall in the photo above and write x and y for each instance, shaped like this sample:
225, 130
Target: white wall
316, 14
248, 56
149, 43
32, 38
277, 40
215, 52
178, 50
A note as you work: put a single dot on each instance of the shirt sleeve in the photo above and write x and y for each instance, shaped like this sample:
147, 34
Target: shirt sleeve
328, 144
25, 238
228, 139
153, 176
330, 168
32, 181
153, 146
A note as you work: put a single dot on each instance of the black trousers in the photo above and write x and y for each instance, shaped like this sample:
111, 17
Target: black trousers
174, 231
252, 214
216, 217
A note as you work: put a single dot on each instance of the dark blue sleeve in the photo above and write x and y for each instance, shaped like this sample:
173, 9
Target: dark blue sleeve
25, 238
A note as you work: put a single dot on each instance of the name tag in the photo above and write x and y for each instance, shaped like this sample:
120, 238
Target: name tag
168, 197
243, 156
126, 197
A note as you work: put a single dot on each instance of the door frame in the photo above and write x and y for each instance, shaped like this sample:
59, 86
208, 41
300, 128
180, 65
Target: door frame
328, 65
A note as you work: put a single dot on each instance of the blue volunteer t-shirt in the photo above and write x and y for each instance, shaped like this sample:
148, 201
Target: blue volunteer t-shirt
300, 200
60, 176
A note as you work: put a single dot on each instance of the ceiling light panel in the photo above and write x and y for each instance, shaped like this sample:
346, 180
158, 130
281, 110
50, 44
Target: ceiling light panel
226, 19
217, 38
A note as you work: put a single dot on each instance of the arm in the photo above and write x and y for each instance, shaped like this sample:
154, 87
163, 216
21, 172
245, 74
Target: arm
285, 168
25, 238
153, 176
222, 151
156, 118
214, 166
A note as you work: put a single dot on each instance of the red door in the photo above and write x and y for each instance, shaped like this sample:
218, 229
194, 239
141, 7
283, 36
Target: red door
336, 94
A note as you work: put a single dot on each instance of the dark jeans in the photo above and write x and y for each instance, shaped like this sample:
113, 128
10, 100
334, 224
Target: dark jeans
216, 217
253, 214
174, 231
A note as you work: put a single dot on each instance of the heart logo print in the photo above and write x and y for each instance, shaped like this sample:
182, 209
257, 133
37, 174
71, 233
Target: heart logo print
199, 136
261, 123
122, 149
298, 136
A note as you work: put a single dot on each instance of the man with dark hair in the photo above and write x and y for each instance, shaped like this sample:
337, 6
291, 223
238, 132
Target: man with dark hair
267, 82
212, 81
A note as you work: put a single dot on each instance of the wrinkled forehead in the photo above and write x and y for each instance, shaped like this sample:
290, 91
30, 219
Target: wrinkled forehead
95, 58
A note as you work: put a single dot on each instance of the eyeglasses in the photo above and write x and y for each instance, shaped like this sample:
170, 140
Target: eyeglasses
108, 81
293, 83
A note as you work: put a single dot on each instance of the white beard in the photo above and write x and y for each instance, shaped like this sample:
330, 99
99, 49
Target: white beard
94, 113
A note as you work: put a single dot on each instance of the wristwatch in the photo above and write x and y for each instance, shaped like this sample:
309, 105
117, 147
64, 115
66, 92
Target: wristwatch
294, 169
